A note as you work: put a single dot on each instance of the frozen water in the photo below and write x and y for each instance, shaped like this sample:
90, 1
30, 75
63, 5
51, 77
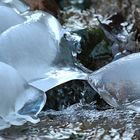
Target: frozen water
118, 83
57, 76
19, 102
18, 5
50, 22
8, 17
31, 47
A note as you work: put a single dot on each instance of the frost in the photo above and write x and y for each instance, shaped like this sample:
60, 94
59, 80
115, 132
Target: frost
19, 101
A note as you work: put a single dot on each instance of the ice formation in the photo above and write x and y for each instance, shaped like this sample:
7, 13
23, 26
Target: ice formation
18, 5
32, 46
9, 17
19, 102
118, 83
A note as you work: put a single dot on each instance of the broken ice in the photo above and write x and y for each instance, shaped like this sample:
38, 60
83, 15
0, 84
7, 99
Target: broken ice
19, 102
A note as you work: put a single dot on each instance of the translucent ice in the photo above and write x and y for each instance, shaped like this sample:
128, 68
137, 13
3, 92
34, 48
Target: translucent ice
8, 17
31, 47
19, 102
118, 83
18, 5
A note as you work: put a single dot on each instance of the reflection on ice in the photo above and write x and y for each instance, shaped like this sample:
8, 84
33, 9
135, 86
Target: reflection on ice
19, 102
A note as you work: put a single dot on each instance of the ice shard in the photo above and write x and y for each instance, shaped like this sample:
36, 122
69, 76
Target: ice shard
19, 102
118, 83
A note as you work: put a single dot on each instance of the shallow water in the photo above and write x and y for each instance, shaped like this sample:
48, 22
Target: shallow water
79, 122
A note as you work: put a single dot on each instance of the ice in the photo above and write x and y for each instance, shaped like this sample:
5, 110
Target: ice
33, 49
118, 83
8, 17
19, 102
57, 76
32, 46
18, 5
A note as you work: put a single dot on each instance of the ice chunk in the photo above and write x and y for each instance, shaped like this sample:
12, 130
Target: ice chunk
8, 17
31, 47
118, 83
19, 102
